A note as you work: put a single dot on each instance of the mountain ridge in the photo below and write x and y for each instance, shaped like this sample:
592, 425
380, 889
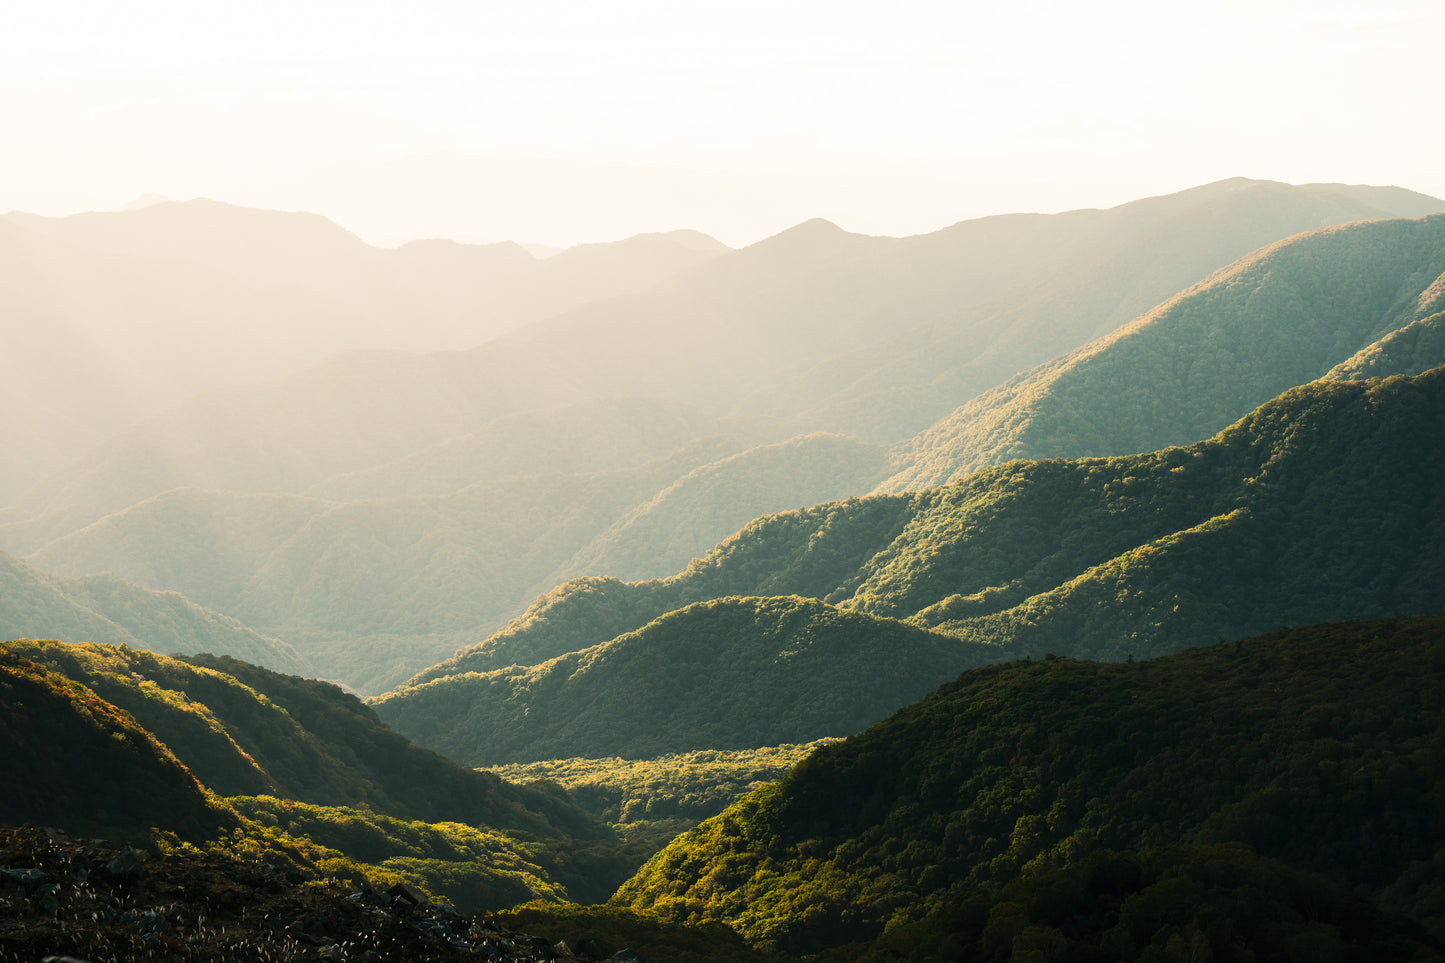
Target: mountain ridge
751, 335
1284, 315
1314, 507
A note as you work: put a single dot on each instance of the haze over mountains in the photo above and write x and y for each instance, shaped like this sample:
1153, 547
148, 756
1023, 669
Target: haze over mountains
707, 500
1287, 314
562, 202
113, 316
381, 509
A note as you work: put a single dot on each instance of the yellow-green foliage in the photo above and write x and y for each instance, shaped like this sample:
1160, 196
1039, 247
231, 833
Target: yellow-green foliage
650, 801
730, 673
1312, 746
358, 790
475, 868
74, 760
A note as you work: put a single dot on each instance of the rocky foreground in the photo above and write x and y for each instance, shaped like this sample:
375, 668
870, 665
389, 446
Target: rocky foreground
65, 899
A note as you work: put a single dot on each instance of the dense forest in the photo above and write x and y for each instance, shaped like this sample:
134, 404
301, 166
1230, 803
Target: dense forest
1237, 796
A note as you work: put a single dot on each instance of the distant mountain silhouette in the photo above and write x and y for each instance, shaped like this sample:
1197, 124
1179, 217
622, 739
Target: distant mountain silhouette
814, 329
110, 316
103, 608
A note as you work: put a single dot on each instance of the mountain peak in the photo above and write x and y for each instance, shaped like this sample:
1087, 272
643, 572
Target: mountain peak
144, 200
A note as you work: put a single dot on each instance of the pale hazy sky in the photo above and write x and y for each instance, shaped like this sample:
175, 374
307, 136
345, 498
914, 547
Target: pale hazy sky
1043, 105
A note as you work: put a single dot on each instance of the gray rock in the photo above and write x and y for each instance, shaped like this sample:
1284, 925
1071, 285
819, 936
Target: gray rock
126, 864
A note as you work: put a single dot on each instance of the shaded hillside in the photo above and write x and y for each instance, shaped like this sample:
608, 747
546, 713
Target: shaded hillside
1316, 506
110, 316
103, 608
875, 337
1310, 746
734, 673
1281, 317
313, 782
72, 759
300, 739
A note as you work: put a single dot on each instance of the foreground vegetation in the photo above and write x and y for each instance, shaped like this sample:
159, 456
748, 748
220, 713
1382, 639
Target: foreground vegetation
1305, 753
281, 765
653, 800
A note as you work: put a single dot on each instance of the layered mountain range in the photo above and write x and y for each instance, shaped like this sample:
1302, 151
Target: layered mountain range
110, 317
991, 519
1316, 506
382, 510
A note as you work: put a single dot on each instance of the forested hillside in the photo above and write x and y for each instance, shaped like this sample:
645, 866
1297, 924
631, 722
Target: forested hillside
1316, 506
1106, 811
1413, 349
72, 759
656, 799
306, 771
731, 673
1283, 316
682, 522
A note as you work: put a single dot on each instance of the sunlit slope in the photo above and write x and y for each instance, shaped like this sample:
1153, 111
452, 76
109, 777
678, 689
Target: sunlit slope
1413, 349
814, 553
104, 608
875, 337
359, 802
110, 316
71, 759
1317, 506
244, 730
1281, 317
1311, 746
732, 673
